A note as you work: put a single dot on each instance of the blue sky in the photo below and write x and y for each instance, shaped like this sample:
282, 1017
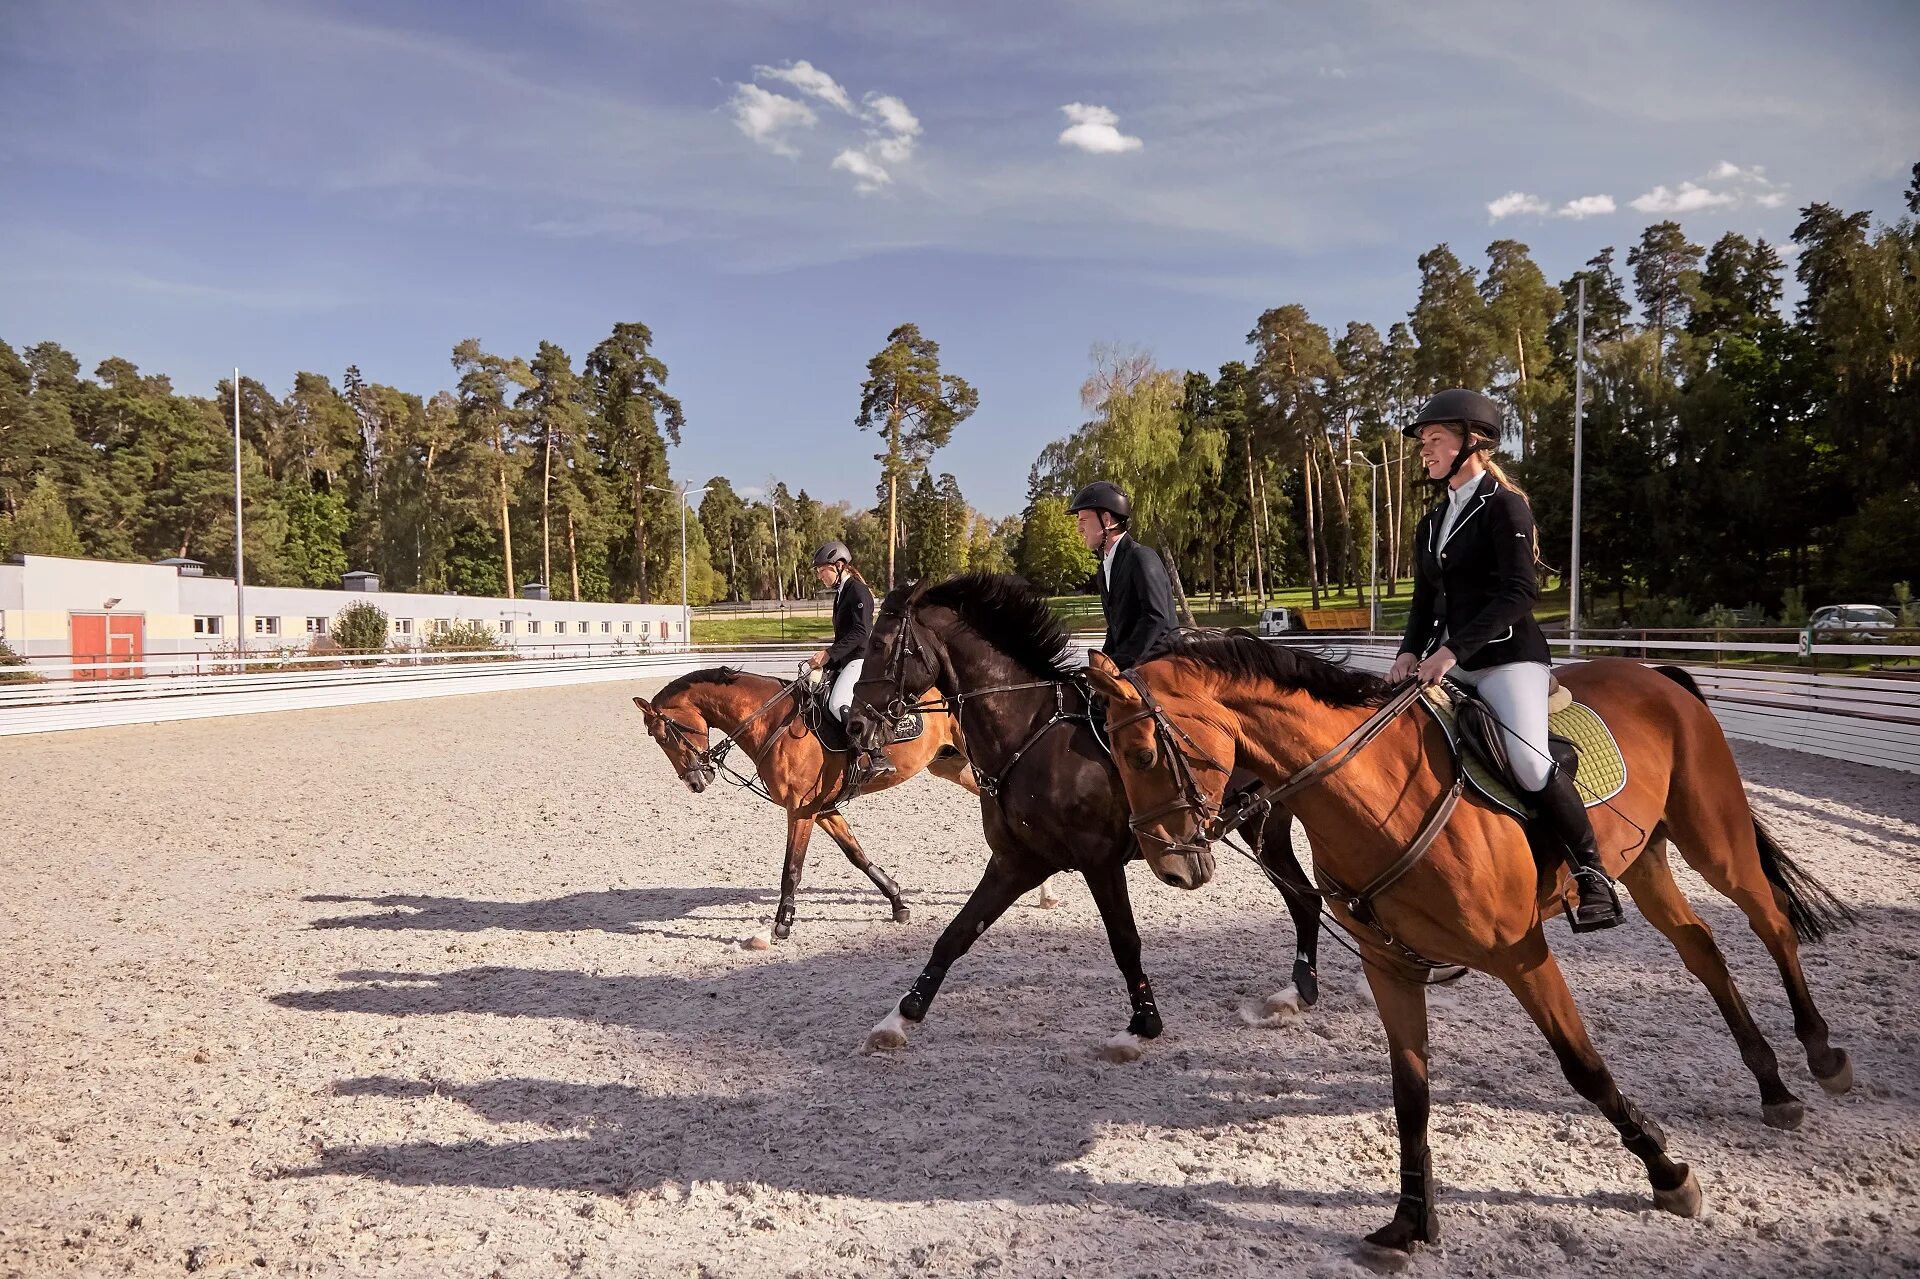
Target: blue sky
772, 187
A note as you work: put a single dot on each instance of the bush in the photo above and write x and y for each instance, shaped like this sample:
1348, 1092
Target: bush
359, 628
464, 637
1793, 607
14, 668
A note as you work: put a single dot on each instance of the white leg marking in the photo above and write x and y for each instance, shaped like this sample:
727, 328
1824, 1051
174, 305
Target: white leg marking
889, 1033
1125, 1046
1276, 1010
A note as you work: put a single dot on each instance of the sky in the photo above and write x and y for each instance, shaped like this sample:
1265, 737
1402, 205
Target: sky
773, 187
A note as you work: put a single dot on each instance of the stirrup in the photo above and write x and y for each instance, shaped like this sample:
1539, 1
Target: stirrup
1586, 917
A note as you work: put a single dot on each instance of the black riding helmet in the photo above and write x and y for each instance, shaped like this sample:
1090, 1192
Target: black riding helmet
832, 553
1477, 416
1102, 495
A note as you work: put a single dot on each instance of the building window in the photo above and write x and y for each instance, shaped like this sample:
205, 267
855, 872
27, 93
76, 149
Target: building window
441, 625
506, 626
533, 627
316, 626
266, 626
626, 628
606, 628
206, 625
583, 628
403, 626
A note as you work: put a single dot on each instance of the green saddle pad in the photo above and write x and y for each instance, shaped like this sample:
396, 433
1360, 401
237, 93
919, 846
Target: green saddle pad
1603, 769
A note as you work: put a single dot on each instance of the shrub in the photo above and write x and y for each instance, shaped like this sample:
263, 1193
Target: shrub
464, 637
14, 668
359, 628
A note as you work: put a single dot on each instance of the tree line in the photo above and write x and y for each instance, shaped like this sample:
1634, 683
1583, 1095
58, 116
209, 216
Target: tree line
1735, 455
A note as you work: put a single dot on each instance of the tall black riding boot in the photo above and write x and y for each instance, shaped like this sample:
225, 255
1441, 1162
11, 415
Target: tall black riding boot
1565, 816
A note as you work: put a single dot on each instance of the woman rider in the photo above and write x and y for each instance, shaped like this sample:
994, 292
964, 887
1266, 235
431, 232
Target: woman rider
840, 662
1474, 588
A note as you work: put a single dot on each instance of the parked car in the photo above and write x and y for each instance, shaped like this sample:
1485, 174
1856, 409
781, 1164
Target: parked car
1276, 621
1857, 621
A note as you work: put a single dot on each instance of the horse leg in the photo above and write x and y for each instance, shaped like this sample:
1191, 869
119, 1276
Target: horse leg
1403, 1013
1108, 884
1650, 880
799, 831
1044, 897
1729, 860
1005, 879
1274, 838
1534, 977
835, 824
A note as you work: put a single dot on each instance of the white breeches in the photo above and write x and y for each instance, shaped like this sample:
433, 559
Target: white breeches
1517, 691
842, 695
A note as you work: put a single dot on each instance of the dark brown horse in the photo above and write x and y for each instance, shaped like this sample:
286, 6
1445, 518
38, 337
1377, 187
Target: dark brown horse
991, 650
1475, 897
761, 717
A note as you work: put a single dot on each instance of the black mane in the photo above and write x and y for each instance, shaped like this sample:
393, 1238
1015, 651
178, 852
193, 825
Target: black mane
1006, 613
711, 675
1245, 656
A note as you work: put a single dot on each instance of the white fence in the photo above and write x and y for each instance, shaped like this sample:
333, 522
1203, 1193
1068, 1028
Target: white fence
1865, 719
300, 684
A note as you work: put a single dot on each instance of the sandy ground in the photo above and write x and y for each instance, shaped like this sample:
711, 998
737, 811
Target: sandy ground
454, 987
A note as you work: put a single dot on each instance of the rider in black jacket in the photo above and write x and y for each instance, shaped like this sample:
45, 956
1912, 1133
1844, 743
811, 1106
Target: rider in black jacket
1135, 595
1474, 589
840, 662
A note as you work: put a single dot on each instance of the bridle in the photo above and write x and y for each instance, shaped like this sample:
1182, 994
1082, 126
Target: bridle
1212, 822
713, 759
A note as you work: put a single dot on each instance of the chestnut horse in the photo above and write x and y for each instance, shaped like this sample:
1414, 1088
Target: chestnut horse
761, 716
1412, 871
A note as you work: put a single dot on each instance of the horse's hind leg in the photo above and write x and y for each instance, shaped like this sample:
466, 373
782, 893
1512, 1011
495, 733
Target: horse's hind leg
1650, 880
1275, 835
1724, 846
1006, 878
1534, 977
1044, 897
835, 824
799, 832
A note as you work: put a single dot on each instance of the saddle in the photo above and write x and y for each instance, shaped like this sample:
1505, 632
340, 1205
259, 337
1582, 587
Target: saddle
816, 718
1578, 739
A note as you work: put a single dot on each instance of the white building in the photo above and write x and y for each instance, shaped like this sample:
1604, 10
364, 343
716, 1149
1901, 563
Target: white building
55, 610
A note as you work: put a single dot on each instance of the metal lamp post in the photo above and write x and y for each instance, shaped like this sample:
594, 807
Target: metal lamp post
686, 614
1373, 532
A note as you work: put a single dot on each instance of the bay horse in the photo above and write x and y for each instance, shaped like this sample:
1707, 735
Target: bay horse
991, 651
1415, 873
762, 716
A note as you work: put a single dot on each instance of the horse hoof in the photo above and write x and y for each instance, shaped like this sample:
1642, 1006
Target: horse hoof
782, 931
890, 1035
1683, 1200
1051, 903
1286, 1004
1840, 1080
901, 914
1381, 1258
1784, 1115
756, 942
1123, 1047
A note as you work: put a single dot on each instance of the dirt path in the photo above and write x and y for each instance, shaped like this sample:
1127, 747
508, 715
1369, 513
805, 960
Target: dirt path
453, 987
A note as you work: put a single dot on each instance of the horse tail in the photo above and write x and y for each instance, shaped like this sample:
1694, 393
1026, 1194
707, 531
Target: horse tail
1812, 907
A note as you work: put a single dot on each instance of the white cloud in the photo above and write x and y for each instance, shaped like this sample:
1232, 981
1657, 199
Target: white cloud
1095, 129
768, 117
893, 114
1687, 198
810, 80
868, 174
1516, 202
1771, 200
1587, 206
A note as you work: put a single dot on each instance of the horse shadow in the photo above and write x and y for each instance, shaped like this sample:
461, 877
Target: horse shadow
617, 910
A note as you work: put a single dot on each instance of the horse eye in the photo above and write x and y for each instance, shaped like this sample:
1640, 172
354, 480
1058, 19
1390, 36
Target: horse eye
1143, 758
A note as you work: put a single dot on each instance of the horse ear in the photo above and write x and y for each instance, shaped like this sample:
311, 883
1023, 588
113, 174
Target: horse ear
1106, 677
919, 588
646, 708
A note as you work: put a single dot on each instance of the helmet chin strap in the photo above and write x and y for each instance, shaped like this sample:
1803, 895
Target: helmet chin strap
1474, 444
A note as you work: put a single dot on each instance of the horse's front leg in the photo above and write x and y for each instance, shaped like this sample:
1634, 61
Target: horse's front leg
1108, 884
799, 832
1403, 1013
1006, 878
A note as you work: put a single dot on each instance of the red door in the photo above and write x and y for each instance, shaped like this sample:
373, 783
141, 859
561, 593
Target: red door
112, 645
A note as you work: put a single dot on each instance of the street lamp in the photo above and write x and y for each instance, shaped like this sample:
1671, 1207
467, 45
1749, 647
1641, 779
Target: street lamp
686, 615
1373, 532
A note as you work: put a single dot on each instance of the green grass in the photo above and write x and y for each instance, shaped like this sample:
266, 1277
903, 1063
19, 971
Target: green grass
762, 630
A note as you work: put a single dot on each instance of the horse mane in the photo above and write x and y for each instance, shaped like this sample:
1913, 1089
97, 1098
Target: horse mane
1005, 612
711, 675
1239, 654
